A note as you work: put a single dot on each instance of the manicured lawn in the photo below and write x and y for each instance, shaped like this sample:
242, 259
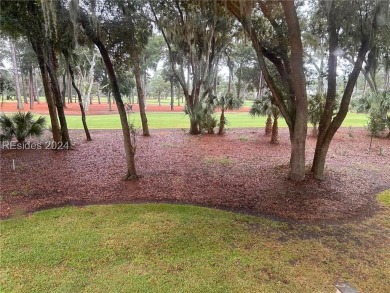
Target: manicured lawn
159, 120
173, 248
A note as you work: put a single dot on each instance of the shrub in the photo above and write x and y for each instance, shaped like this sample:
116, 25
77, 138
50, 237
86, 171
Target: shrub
21, 125
376, 122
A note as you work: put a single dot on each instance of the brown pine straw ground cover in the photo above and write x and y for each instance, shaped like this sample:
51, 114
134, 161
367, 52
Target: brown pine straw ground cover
240, 171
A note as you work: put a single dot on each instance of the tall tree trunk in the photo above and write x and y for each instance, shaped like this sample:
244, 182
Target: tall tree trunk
109, 101
141, 98
364, 88
55, 126
327, 126
83, 89
69, 78
144, 88
129, 147
63, 90
268, 125
80, 86
320, 80
16, 77
259, 91
25, 97
222, 121
178, 96
172, 94
98, 93
22, 78
194, 126
83, 118
191, 101
215, 80
31, 86
51, 64
239, 81
275, 128
36, 90
91, 78
230, 67
127, 134
294, 110
298, 136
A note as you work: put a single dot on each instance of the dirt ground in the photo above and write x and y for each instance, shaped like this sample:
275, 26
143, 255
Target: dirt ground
95, 108
239, 171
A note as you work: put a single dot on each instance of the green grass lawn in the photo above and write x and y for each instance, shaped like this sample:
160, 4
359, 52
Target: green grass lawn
173, 248
159, 120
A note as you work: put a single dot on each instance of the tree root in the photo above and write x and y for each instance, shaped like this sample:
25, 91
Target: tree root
132, 177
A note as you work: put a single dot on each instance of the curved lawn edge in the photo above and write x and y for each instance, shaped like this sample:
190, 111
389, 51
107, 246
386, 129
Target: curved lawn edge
182, 248
381, 197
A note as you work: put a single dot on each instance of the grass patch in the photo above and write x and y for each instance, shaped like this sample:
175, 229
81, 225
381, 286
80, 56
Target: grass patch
223, 160
173, 248
160, 120
384, 197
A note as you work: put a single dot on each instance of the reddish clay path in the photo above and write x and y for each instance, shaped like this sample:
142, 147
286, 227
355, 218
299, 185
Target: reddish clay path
94, 109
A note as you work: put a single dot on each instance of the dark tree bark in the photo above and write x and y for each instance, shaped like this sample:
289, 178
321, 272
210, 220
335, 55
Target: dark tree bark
230, 66
109, 101
298, 136
328, 127
83, 118
141, 97
25, 97
16, 77
63, 90
98, 93
24, 86
36, 91
268, 125
239, 81
172, 94
31, 87
292, 106
55, 127
69, 86
51, 64
129, 148
178, 96
222, 121
275, 128
128, 144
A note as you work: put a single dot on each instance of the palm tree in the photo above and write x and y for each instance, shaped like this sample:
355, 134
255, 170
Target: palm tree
205, 113
21, 125
262, 107
227, 102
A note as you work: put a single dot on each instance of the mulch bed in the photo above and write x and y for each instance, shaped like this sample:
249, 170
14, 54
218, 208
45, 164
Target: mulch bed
240, 171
